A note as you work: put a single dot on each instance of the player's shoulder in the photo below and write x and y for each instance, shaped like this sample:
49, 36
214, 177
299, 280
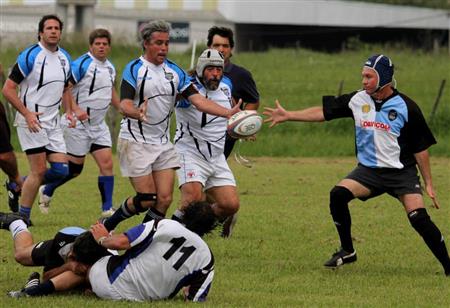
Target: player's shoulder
173, 66
239, 70
82, 60
64, 53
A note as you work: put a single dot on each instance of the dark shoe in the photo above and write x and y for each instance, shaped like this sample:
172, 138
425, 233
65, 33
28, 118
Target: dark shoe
13, 197
228, 225
7, 218
33, 280
341, 257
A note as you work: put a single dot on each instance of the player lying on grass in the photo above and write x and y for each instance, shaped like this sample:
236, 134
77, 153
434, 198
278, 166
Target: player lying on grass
161, 257
61, 257
392, 140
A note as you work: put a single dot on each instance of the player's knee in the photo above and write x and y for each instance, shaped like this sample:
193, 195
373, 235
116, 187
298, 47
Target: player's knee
143, 201
164, 200
339, 196
21, 257
418, 217
57, 171
75, 169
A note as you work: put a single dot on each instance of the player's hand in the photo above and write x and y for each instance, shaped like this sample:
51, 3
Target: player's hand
81, 114
275, 115
71, 119
33, 122
236, 108
98, 231
430, 192
143, 111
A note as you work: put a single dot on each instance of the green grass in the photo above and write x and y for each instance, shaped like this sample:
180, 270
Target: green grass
299, 79
283, 236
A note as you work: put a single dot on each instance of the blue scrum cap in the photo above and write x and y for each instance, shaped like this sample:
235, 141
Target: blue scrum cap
384, 68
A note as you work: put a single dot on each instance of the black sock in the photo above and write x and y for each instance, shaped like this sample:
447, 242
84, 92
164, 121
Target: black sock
153, 213
339, 198
122, 213
422, 223
45, 288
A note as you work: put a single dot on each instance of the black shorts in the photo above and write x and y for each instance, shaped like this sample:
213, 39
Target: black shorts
40, 251
396, 182
5, 132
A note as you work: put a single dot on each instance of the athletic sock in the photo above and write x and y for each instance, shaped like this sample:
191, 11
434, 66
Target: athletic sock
17, 226
25, 211
106, 187
45, 288
431, 234
122, 213
339, 198
153, 213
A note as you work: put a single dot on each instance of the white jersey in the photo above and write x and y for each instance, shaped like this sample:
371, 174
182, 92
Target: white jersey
94, 82
159, 84
42, 76
201, 133
164, 257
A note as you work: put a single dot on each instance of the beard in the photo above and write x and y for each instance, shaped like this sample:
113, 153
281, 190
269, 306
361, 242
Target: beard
212, 84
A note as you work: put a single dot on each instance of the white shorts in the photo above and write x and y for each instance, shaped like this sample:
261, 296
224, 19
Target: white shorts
195, 168
98, 277
51, 139
80, 140
139, 159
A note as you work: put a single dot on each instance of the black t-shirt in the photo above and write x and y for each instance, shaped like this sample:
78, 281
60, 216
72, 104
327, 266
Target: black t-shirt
244, 87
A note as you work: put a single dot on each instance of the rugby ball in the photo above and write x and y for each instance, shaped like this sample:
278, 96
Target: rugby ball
244, 124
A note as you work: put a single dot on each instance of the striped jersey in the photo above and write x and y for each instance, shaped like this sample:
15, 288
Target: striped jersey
387, 132
159, 84
163, 258
93, 84
42, 76
198, 132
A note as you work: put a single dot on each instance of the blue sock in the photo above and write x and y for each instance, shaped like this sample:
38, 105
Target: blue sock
25, 211
106, 187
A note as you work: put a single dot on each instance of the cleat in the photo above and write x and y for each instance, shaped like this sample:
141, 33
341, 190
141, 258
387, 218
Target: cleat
228, 225
33, 280
341, 257
13, 197
7, 218
44, 200
17, 294
108, 213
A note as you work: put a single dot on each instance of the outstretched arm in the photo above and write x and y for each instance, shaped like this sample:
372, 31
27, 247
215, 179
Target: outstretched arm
423, 161
103, 238
279, 114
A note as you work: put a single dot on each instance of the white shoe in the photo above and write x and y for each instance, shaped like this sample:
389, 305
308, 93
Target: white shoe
44, 200
108, 213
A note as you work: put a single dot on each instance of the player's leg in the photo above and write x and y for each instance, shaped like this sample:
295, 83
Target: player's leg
75, 166
163, 181
8, 163
226, 200
341, 194
422, 223
103, 158
23, 240
145, 198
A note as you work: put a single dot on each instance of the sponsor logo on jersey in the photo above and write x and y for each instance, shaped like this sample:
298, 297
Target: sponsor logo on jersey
365, 108
62, 243
146, 77
63, 61
225, 91
392, 115
110, 70
375, 124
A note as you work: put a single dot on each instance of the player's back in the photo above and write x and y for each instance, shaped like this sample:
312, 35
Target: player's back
164, 257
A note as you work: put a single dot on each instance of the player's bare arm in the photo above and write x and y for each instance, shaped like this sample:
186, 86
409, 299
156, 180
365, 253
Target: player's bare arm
105, 239
206, 105
129, 110
279, 114
423, 161
10, 93
115, 101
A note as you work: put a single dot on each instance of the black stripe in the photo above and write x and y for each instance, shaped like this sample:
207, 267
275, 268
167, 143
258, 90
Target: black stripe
88, 111
173, 87
41, 77
196, 142
181, 134
129, 129
91, 88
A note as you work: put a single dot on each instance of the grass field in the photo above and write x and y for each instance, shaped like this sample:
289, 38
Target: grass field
283, 236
